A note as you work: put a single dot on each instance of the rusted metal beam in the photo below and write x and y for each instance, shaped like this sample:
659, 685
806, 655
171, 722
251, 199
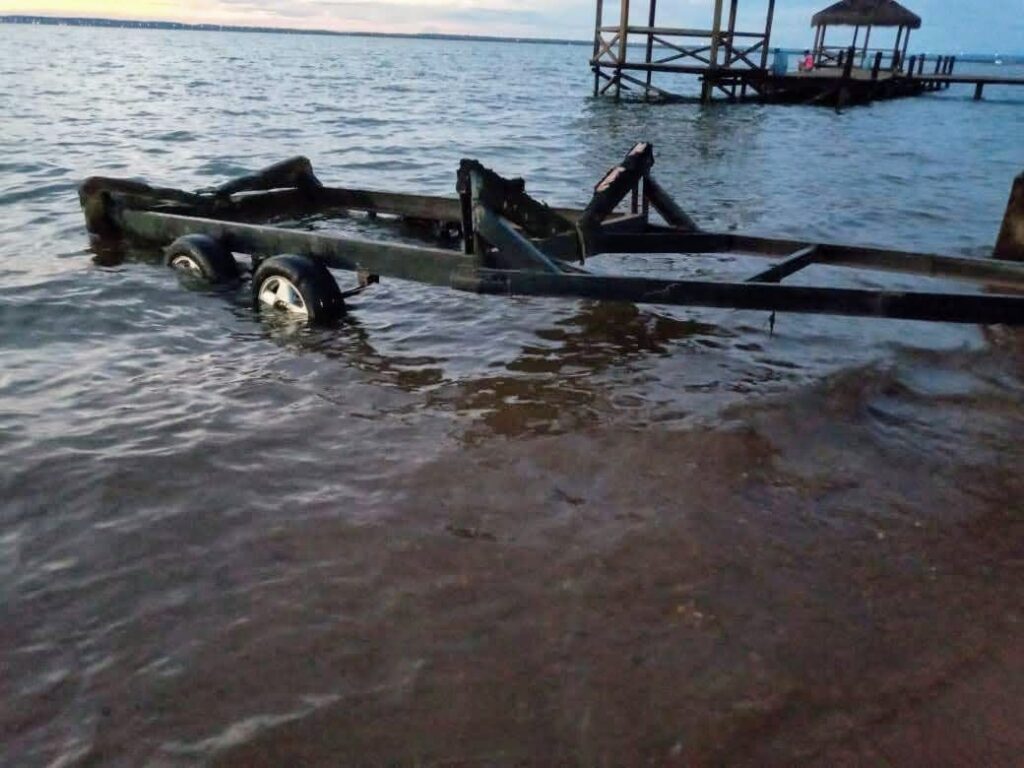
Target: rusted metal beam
666, 206
904, 305
514, 250
796, 262
408, 262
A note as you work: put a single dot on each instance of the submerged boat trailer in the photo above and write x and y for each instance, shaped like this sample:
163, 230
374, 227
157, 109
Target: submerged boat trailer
497, 239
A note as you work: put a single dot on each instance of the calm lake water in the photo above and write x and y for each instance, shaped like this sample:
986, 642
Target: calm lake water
463, 530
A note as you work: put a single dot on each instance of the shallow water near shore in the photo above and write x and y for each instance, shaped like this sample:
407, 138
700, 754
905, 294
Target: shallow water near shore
462, 530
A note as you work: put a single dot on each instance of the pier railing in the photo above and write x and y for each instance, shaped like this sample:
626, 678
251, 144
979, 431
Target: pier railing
884, 60
672, 49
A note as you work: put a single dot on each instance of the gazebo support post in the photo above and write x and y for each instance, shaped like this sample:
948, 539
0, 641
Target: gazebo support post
730, 41
897, 60
864, 53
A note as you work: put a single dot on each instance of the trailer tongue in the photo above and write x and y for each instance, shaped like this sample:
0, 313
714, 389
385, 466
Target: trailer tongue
495, 238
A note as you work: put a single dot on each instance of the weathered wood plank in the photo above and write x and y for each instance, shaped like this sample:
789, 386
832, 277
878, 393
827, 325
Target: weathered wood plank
1010, 243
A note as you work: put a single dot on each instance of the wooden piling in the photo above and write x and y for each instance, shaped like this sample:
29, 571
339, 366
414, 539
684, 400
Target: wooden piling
876, 67
767, 34
978, 88
708, 88
597, 46
649, 53
623, 46
1010, 244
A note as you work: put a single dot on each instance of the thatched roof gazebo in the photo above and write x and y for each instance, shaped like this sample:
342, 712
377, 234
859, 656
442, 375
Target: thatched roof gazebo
867, 14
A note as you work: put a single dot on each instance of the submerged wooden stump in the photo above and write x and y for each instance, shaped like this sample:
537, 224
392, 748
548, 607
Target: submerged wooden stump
1010, 244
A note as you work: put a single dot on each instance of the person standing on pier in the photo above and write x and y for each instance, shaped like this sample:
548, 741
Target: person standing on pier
807, 63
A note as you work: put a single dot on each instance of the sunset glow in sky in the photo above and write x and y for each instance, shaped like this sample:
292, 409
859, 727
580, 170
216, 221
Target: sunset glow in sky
949, 25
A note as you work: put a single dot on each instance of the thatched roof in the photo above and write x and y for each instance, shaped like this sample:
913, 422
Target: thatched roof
875, 13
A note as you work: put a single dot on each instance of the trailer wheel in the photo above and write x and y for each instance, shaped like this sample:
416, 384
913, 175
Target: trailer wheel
202, 256
300, 285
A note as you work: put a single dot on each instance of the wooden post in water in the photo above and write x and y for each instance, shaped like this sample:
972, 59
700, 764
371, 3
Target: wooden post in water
978, 88
623, 46
1010, 244
651, 16
707, 89
597, 45
851, 53
731, 40
876, 67
843, 92
767, 35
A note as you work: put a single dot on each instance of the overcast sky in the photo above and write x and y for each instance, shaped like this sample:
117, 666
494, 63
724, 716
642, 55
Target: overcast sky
949, 25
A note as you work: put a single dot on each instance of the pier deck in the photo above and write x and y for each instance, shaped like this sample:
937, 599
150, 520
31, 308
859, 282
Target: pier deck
825, 85
735, 64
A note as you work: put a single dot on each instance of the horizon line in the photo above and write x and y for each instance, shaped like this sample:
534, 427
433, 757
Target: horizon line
103, 21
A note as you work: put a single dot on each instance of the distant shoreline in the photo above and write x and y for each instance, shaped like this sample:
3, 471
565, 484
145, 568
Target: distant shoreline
73, 21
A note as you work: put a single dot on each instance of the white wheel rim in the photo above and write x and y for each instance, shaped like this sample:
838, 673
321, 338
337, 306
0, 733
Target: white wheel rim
280, 293
187, 264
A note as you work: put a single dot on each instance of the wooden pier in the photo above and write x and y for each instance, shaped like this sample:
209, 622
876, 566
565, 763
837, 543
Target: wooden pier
739, 66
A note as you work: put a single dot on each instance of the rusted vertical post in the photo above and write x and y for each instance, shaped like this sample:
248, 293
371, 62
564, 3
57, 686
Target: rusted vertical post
716, 33
767, 34
1010, 244
623, 46
650, 44
597, 45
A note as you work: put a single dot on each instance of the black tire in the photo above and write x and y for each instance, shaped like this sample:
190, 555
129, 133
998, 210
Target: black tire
322, 299
203, 256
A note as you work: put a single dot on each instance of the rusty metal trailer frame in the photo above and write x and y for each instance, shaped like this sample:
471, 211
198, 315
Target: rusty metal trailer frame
512, 244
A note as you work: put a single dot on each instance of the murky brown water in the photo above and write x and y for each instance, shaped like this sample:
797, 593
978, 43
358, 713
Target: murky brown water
465, 530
